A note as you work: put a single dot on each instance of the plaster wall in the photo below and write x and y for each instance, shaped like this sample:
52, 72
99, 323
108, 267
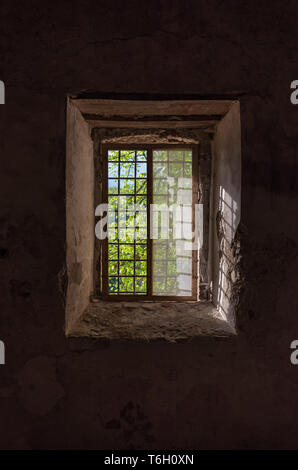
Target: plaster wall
79, 215
232, 393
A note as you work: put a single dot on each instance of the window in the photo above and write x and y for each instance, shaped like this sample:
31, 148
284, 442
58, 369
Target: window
137, 154
150, 247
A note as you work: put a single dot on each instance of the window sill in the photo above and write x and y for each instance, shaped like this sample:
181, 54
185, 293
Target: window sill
148, 321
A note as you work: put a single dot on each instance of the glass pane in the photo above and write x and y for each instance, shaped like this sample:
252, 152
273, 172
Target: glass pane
141, 186
113, 203
113, 235
127, 186
188, 170
141, 284
188, 156
113, 170
177, 155
127, 155
113, 155
141, 203
141, 170
160, 186
113, 284
176, 170
160, 155
127, 219
126, 267
141, 252
127, 170
141, 234
113, 251
172, 243
127, 222
126, 252
142, 155
126, 203
160, 170
113, 186
141, 268
141, 219
159, 267
126, 284
113, 268
126, 235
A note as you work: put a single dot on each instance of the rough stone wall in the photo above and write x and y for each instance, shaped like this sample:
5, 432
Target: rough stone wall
148, 321
79, 175
226, 209
230, 393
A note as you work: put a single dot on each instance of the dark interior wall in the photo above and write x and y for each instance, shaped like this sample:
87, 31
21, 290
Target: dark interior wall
233, 393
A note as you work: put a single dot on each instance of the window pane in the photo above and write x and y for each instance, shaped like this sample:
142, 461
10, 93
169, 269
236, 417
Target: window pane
177, 155
160, 186
113, 155
127, 155
141, 284
141, 203
113, 203
113, 170
113, 186
126, 284
126, 252
141, 170
141, 252
141, 268
160, 170
128, 204
160, 155
142, 155
176, 170
127, 170
113, 268
172, 254
141, 186
127, 186
126, 267
140, 234
127, 223
113, 251
113, 284
188, 170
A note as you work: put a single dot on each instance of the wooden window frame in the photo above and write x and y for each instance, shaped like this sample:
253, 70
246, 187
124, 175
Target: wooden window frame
101, 246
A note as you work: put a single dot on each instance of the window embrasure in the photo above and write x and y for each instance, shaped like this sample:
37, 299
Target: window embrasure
211, 130
149, 240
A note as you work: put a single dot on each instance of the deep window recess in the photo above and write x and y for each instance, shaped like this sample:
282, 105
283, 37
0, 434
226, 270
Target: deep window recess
150, 252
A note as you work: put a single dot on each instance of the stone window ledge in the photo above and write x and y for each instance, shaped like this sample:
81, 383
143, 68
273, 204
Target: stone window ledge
147, 321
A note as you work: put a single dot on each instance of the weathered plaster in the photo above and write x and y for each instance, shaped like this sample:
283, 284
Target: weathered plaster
147, 321
226, 209
210, 393
80, 215
198, 319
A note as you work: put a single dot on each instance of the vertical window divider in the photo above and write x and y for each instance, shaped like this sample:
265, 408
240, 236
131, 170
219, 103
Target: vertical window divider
134, 224
195, 253
104, 243
117, 218
149, 229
